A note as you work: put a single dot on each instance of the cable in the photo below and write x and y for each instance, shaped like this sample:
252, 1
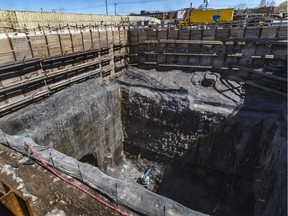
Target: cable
82, 8
139, 2
103, 5
75, 185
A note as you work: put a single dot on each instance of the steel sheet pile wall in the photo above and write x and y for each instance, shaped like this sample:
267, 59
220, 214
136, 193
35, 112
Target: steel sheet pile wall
36, 64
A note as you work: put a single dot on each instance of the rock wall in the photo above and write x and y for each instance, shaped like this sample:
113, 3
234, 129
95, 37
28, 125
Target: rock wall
84, 119
197, 119
245, 140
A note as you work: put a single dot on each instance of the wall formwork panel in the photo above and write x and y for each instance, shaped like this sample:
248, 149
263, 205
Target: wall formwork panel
26, 19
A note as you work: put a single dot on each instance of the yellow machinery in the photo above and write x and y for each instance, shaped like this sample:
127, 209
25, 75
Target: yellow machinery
226, 15
206, 16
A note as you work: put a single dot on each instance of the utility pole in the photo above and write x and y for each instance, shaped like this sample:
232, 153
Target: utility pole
206, 2
115, 4
106, 7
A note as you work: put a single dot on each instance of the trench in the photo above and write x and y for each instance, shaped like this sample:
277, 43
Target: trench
219, 147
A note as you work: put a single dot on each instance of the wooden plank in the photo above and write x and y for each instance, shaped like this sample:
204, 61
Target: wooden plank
21, 48
184, 34
184, 42
38, 46
21, 83
76, 42
208, 34
151, 63
162, 35
222, 34
147, 35
82, 40
7, 53
236, 33
195, 34
123, 39
269, 32
60, 43
66, 44
144, 35
282, 33
30, 45
185, 66
252, 33
102, 39
91, 40
260, 86
96, 40
151, 53
47, 45
116, 37
282, 79
173, 34
191, 54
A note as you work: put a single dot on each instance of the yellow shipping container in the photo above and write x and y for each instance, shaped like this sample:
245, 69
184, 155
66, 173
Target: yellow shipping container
226, 15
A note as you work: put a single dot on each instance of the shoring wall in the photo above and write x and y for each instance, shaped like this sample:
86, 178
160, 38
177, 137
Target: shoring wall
26, 19
35, 64
255, 56
207, 48
39, 62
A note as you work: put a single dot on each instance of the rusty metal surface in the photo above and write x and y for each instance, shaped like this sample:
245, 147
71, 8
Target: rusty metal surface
12, 203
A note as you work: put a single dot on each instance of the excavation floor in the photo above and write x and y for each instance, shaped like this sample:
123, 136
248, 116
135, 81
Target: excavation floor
132, 167
208, 191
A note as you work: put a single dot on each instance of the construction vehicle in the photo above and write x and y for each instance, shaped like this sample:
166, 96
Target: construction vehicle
145, 179
208, 17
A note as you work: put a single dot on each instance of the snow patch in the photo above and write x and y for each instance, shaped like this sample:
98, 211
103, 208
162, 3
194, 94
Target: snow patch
23, 160
56, 212
55, 180
9, 170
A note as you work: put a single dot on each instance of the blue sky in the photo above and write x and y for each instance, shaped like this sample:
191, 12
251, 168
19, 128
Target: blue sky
123, 6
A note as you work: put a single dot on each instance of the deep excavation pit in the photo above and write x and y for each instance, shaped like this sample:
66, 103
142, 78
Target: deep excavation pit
219, 146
